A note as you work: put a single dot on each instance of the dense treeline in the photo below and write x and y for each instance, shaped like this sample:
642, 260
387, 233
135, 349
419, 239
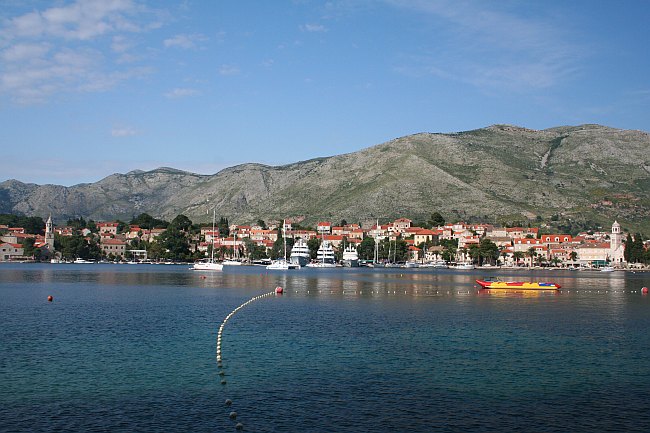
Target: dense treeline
634, 250
32, 225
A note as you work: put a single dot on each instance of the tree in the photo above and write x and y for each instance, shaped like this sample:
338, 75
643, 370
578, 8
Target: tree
488, 250
573, 256
366, 248
531, 253
436, 220
223, 226
278, 247
146, 221
76, 246
181, 222
629, 245
313, 244
29, 250
638, 251
254, 251
174, 242
504, 253
517, 256
401, 250
474, 253
32, 225
76, 223
449, 249
121, 226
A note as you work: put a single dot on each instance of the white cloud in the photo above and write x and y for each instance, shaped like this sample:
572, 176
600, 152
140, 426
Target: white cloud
123, 131
313, 28
81, 20
184, 41
181, 93
493, 49
228, 70
61, 49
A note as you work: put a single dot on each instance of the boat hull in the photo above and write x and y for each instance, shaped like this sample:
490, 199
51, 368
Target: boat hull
207, 266
518, 285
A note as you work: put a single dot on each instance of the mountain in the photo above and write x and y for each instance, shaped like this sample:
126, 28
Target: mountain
500, 173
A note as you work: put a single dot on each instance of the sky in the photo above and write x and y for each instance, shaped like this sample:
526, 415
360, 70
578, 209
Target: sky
89, 88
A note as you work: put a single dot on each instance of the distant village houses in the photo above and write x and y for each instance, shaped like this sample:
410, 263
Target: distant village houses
516, 246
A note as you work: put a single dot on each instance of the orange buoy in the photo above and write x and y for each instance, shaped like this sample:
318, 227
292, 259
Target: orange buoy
644, 290
51, 298
279, 290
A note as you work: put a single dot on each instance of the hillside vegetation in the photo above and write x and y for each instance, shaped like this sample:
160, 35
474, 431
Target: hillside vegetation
498, 174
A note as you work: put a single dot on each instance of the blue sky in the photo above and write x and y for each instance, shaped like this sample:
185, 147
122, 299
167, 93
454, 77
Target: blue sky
94, 87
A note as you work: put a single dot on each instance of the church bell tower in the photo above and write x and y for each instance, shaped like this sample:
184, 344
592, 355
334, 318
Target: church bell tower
49, 234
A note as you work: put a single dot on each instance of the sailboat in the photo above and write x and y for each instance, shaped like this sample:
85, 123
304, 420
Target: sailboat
392, 263
209, 265
375, 260
235, 260
282, 264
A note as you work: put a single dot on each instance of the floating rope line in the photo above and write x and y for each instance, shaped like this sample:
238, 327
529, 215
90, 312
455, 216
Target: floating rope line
233, 415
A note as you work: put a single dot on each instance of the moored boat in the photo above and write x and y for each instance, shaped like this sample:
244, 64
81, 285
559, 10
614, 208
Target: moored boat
209, 264
300, 253
350, 257
518, 285
325, 257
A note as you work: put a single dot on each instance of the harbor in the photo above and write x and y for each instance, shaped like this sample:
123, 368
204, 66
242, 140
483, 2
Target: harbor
132, 348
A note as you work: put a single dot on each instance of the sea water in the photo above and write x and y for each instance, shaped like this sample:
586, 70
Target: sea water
133, 349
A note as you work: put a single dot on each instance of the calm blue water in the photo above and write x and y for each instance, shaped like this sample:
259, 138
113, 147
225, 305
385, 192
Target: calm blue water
132, 349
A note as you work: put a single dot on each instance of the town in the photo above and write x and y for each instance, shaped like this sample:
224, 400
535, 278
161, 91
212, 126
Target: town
397, 242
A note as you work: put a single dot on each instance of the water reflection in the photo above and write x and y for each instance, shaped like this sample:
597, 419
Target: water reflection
348, 283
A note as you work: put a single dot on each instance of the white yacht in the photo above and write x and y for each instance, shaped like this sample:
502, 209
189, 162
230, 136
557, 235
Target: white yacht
350, 257
325, 257
300, 253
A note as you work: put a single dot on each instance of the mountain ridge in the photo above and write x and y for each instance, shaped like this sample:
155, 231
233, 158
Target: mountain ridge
584, 172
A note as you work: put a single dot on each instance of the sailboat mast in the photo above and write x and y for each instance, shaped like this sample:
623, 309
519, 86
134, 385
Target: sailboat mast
214, 217
284, 238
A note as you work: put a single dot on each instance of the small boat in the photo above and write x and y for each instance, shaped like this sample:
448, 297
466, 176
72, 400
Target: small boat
464, 266
232, 263
80, 260
207, 265
517, 285
607, 269
278, 265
